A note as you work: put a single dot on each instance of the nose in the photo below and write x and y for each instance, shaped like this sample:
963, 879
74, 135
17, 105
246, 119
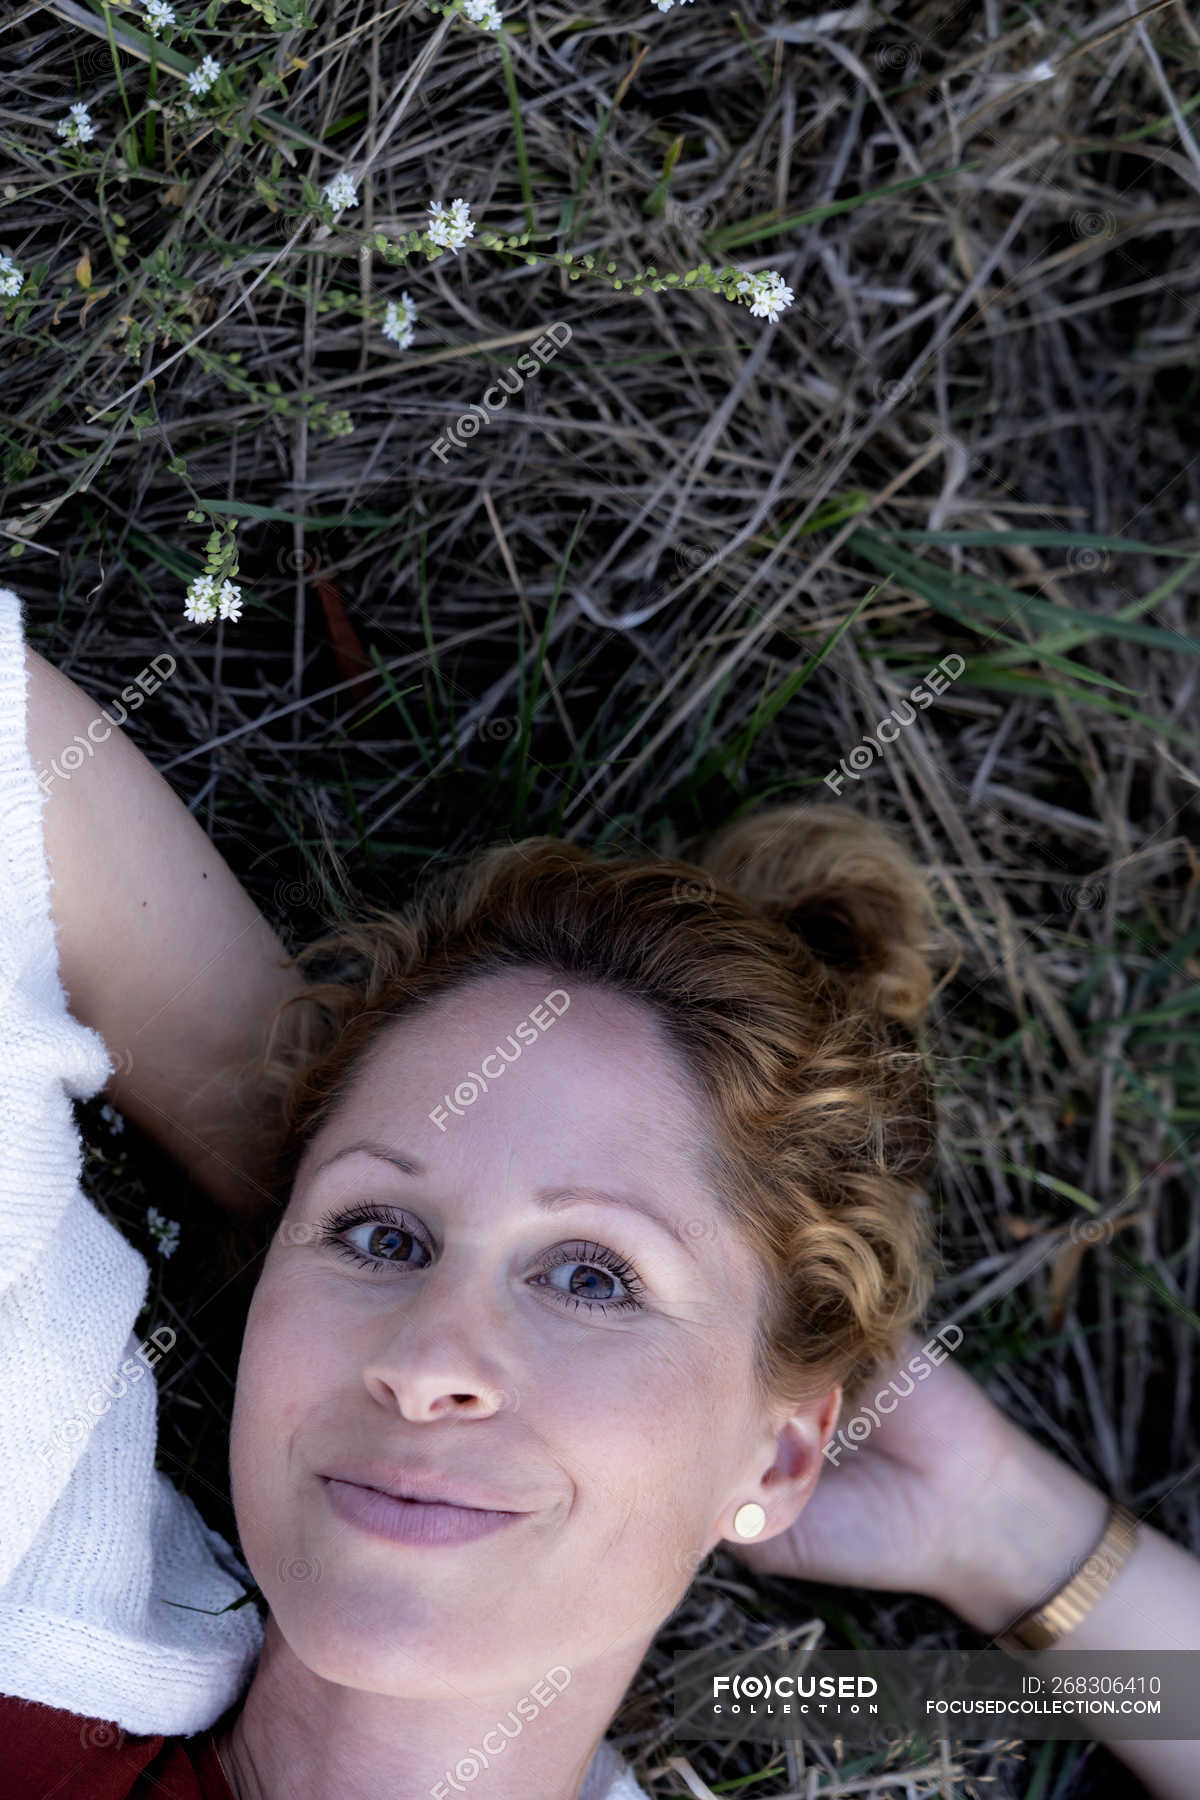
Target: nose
435, 1353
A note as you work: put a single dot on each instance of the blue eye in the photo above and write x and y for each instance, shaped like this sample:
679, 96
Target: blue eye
389, 1241
593, 1257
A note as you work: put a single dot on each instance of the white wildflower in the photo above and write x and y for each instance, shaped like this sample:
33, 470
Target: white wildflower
450, 229
342, 192
768, 303
11, 278
398, 321
76, 126
112, 1119
201, 606
666, 5
483, 12
229, 601
768, 293
156, 15
201, 79
165, 1230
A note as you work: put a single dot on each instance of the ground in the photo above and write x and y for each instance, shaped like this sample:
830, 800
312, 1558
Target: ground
683, 560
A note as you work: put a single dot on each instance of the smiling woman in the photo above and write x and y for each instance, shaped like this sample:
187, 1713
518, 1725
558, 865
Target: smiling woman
592, 1183
564, 1316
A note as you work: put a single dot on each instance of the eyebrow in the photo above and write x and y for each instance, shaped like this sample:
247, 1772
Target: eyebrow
550, 1200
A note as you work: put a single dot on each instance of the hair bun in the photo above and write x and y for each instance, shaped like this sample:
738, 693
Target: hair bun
849, 889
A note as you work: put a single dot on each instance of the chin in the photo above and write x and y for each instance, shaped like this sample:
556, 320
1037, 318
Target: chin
391, 1640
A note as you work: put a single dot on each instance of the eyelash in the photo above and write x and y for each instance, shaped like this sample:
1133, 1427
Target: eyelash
331, 1229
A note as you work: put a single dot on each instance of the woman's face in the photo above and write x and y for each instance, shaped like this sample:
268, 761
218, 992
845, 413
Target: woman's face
491, 1341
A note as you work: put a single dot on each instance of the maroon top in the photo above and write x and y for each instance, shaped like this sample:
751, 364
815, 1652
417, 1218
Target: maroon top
47, 1754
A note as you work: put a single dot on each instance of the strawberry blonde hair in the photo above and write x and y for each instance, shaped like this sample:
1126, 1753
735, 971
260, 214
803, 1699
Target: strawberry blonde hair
787, 961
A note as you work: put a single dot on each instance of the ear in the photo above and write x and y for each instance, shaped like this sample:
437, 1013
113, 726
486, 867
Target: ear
784, 1487
831, 1408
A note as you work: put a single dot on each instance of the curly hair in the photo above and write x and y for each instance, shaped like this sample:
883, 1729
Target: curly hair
788, 961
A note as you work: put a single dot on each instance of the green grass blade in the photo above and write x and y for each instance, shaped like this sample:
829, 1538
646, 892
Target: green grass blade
1036, 540
514, 107
750, 231
739, 747
246, 509
1054, 1183
1012, 681
566, 219
1064, 664
397, 697
1068, 639
944, 589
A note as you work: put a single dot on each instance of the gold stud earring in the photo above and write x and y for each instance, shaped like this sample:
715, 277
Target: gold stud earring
749, 1520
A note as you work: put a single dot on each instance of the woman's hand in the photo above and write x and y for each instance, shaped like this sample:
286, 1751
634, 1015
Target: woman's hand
948, 1497
900, 1508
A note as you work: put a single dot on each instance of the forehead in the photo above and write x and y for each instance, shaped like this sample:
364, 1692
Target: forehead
565, 1089
531, 1062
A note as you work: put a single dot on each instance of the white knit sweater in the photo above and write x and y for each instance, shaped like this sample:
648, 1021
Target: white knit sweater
94, 1541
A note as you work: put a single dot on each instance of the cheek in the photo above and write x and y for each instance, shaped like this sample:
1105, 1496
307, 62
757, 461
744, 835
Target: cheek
276, 1366
657, 1438
284, 1325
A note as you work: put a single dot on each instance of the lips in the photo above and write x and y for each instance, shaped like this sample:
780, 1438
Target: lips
429, 1523
428, 1486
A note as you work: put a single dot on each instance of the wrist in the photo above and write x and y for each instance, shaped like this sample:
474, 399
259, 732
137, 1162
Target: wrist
1031, 1531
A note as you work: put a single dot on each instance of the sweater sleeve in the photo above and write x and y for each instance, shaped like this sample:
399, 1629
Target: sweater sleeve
56, 1252
114, 1594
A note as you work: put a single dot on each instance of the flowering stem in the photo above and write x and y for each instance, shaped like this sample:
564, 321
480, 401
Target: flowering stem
718, 281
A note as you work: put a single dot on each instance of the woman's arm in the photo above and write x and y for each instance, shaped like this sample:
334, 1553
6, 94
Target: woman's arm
1032, 1531
949, 1497
161, 949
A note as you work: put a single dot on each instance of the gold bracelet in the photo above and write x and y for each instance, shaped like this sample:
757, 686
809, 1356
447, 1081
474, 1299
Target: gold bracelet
1043, 1625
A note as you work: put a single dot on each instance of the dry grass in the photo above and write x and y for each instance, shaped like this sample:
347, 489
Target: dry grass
672, 577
